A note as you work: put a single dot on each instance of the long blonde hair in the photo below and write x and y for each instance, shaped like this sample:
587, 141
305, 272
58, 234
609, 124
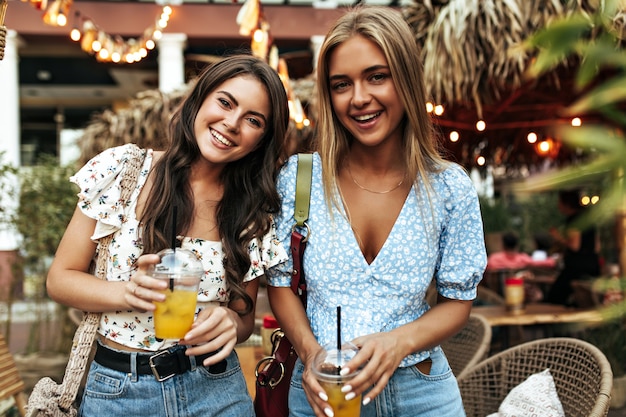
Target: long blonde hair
387, 29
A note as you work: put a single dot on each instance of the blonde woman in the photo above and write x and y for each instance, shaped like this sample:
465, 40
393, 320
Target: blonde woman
388, 215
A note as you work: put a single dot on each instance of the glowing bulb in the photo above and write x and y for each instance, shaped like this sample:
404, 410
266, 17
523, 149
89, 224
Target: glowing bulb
544, 147
167, 10
430, 107
157, 34
585, 200
61, 20
481, 160
116, 57
306, 122
258, 35
454, 136
438, 109
96, 46
576, 122
481, 125
532, 137
150, 44
75, 35
103, 54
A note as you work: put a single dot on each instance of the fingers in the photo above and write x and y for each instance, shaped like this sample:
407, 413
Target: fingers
142, 290
316, 395
214, 329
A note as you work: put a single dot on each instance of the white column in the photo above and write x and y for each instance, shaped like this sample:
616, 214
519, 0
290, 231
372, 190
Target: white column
316, 44
10, 125
171, 61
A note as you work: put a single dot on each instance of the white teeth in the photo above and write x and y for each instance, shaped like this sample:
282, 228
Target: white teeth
222, 139
366, 117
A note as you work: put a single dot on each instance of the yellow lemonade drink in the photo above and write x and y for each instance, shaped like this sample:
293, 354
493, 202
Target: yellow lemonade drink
182, 270
174, 316
337, 399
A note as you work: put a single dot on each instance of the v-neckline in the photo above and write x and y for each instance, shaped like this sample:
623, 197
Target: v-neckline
355, 238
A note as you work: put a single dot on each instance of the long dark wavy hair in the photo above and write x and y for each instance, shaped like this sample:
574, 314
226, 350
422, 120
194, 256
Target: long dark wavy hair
250, 194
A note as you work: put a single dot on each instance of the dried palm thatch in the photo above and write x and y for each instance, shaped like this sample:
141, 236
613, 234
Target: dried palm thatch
146, 118
144, 122
3, 39
472, 49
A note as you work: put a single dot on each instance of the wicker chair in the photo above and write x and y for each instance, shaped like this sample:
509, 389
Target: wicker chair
469, 346
11, 383
581, 373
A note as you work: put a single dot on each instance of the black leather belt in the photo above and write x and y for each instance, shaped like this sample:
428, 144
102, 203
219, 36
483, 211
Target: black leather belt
163, 364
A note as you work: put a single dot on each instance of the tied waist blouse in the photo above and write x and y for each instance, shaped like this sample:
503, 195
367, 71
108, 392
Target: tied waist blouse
99, 198
441, 240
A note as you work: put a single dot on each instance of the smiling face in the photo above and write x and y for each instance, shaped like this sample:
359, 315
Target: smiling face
232, 119
362, 92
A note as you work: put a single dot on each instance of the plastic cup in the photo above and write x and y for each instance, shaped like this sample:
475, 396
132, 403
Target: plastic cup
182, 270
326, 367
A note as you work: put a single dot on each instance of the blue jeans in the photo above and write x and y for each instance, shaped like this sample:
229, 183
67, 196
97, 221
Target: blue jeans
409, 393
192, 394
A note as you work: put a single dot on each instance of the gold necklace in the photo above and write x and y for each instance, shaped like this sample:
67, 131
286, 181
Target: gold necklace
395, 187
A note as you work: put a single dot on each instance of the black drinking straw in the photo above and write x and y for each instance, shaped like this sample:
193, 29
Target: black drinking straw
173, 239
339, 339
338, 327
173, 236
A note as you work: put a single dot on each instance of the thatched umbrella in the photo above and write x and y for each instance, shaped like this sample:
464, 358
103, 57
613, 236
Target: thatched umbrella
472, 49
144, 122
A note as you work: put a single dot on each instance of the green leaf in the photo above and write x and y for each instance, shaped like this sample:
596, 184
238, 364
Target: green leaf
611, 91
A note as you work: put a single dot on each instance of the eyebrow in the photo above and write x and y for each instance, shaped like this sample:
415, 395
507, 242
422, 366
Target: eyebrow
234, 100
365, 71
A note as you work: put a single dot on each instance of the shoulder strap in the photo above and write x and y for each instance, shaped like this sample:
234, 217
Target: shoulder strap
86, 332
303, 188
301, 214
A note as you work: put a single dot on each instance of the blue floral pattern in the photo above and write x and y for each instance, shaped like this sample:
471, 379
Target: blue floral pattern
99, 199
442, 240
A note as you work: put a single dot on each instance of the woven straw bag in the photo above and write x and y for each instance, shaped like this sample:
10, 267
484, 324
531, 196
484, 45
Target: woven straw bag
48, 398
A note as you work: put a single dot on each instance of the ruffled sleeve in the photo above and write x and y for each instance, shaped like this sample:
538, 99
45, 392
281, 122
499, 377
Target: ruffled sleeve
265, 253
99, 181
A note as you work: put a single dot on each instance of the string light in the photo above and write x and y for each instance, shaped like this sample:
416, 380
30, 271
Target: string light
481, 125
454, 136
252, 22
95, 41
576, 122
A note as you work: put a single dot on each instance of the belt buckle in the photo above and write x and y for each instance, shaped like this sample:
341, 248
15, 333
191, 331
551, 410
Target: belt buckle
154, 369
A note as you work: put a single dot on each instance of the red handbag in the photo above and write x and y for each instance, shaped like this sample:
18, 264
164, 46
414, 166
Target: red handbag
273, 373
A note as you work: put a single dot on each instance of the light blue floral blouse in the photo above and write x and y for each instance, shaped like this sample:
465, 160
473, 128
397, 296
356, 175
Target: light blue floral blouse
442, 239
99, 198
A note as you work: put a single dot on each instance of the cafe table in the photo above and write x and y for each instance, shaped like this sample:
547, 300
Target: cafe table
536, 317
536, 313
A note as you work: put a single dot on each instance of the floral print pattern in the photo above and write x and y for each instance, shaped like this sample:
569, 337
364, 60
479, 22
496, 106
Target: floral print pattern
442, 240
99, 199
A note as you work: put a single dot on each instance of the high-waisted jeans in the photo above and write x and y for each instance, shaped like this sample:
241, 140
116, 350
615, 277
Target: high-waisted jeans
409, 393
192, 394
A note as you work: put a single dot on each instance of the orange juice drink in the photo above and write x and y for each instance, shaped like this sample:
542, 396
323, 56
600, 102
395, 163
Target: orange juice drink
326, 367
337, 399
174, 316
182, 270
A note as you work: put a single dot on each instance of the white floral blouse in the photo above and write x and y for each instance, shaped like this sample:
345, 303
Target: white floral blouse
99, 182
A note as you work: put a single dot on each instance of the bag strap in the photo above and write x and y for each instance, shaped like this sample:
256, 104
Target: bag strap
86, 332
301, 214
303, 188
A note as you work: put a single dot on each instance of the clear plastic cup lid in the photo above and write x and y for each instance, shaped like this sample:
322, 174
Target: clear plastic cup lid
179, 260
